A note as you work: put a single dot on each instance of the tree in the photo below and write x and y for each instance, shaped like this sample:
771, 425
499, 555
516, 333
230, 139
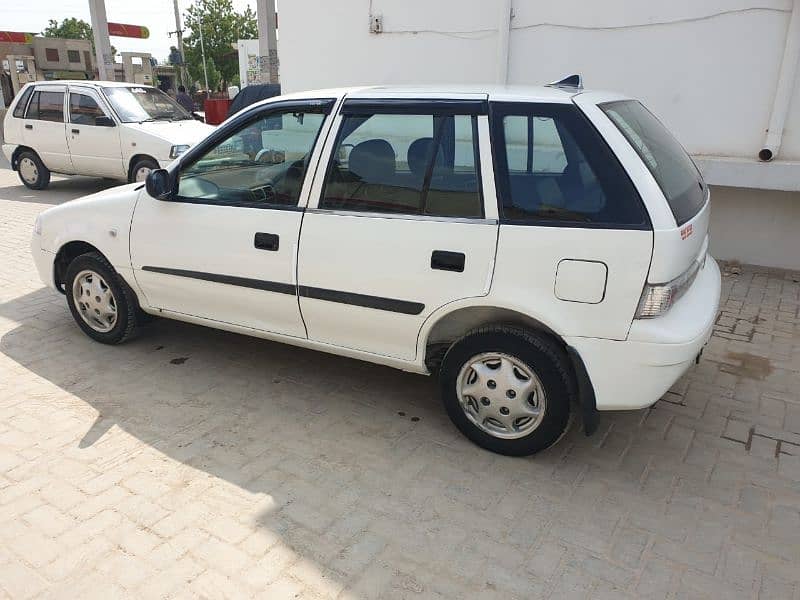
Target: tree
71, 29
214, 75
222, 26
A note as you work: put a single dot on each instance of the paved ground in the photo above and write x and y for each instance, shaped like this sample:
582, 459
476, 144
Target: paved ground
192, 462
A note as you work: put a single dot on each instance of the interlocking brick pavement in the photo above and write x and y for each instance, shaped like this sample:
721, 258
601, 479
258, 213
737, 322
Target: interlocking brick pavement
256, 469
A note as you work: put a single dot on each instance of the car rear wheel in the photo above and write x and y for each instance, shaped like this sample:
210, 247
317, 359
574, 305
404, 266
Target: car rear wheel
100, 301
141, 169
32, 172
507, 389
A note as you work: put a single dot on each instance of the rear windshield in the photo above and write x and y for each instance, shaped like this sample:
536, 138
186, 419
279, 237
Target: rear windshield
671, 167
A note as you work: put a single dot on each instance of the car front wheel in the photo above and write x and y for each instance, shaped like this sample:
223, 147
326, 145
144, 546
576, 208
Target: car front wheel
100, 301
507, 389
141, 169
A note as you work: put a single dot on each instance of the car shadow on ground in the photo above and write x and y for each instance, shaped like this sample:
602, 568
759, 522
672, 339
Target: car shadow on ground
60, 190
335, 444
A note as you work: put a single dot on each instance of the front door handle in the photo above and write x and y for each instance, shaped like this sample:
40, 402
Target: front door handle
28, 126
76, 131
266, 241
447, 261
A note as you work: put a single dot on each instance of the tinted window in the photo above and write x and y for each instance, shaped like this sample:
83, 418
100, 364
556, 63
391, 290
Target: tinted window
19, 109
553, 168
669, 163
262, 164
83, 110
46, 106
420, 164
51, 54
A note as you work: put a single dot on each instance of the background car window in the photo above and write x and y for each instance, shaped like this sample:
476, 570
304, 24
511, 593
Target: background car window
406, 164
46, 106
83, 110
558, 169
19, 109
262, 164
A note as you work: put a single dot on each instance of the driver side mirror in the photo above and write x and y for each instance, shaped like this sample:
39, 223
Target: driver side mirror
158, 184
104, 121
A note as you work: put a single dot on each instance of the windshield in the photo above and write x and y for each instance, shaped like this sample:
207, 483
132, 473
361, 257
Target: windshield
137, 104
666, 159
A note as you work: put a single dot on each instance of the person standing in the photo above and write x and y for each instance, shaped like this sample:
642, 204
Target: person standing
184, 99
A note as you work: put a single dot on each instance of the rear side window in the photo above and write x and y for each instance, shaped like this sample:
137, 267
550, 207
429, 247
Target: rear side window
46, 106
666, 159
414, 164
19, 109
553, 168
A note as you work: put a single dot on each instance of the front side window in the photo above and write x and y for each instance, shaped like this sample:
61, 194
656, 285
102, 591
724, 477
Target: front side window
666, 159
83, 109
140, 104
46, 106
417, 164
262, 164
554, 169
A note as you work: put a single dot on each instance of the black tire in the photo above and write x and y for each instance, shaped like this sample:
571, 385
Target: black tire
127, 320
543, 356
42, 173
148, 163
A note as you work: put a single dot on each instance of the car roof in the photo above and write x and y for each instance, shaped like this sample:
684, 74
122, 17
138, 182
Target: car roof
508, 93
89, 83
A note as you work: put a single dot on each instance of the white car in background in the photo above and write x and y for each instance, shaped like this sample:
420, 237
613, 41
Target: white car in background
541, 249
96, 128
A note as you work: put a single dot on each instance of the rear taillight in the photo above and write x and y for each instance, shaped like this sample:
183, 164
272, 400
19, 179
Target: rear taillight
658, 298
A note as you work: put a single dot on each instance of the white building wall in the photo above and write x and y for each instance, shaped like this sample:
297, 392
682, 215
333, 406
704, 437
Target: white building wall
708, 68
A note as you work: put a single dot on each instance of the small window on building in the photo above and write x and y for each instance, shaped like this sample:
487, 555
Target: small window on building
87, 60
51, 54
415, 164
557, 170
73, 56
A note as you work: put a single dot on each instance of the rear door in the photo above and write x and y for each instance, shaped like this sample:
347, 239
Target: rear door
575, 237
93, 135
396, 226
45, 129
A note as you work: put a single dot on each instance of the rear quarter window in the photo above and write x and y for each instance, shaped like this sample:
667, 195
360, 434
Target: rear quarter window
672, 168
19, 109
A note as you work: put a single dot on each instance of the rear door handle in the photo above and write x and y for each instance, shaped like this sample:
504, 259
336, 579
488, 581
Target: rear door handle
266, 241
447, 261
76, 131
28, 126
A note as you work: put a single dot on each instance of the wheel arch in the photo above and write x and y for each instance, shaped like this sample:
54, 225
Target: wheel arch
65, 255
447, 328
19, 150
136, 158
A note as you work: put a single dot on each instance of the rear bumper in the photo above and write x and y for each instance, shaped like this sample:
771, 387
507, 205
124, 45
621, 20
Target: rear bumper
636, 372
8, 150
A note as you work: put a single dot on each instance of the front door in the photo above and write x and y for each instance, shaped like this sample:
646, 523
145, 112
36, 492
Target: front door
224, 249
45, 130
93, 136
399, 229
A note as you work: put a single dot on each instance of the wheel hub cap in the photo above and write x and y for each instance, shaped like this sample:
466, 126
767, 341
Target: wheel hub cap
142, 173
94, 301
28, 170
501, 395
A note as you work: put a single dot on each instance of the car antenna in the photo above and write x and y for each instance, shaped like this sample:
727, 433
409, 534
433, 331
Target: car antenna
570, 81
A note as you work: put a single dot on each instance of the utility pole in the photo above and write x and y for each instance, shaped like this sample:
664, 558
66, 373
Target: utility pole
267, 40
179, 33
102, 45
203, 54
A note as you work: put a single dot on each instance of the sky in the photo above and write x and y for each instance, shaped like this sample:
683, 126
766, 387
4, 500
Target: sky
157, 15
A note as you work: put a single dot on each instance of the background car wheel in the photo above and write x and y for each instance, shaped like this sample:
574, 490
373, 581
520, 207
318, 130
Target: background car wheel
32, 172
507, 389
100, 301
141, 169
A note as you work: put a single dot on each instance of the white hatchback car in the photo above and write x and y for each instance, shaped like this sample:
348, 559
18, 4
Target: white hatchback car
540, 248
97, 128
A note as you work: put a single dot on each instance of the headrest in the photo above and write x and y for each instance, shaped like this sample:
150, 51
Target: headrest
373, 161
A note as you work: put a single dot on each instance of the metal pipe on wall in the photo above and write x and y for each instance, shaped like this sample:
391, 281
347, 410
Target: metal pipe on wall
783, 93
503, 40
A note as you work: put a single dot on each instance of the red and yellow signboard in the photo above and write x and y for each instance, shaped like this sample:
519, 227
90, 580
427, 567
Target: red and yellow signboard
131, 31
16, 37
